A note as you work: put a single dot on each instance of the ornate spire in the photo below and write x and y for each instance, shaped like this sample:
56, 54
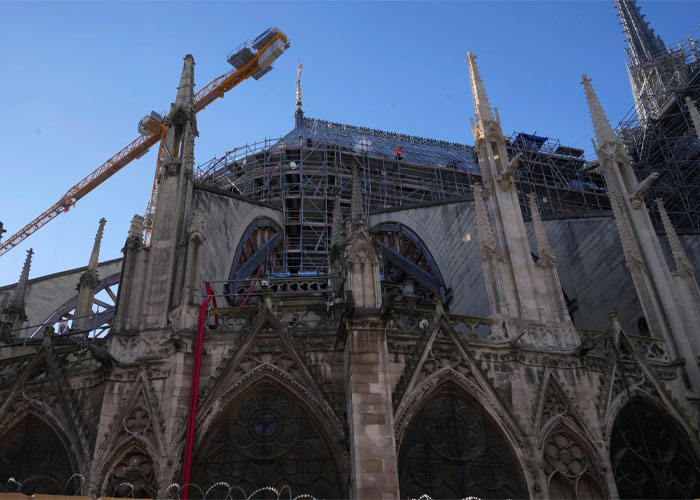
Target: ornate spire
643, 44
487, 241
603, 131
694, 115
21, 290
482, 108
95, 255
683, 265
357, 210
544, 250
337, 223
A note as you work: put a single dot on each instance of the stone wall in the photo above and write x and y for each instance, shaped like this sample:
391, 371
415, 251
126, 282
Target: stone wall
226, 216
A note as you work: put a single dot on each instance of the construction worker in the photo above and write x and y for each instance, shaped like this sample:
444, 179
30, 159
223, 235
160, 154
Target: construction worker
63, 326
397, 153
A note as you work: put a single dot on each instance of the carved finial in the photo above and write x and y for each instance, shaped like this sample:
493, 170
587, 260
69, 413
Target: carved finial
603, 131
337, 223
683, 265
544, 250
95, 255
482, 108
487, 241
357, 210
21, 290
694, 115
299, 68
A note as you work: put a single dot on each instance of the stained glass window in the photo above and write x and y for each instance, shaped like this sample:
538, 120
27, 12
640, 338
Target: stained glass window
651, 456
268, 440
452, 450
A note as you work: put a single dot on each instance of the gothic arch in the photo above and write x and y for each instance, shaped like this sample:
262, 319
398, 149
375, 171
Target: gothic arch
36, 452
650, 394
569, 462
267, 433
452, 447
556, 408
268, 352
131, 471
464, 374
652, 453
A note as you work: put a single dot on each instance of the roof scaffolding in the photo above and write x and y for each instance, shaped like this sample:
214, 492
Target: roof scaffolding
658, 131
300, 173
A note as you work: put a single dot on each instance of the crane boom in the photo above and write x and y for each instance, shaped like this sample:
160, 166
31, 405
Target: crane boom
140, 146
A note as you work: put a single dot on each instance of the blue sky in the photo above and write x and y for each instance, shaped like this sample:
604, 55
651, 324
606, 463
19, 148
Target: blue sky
76, 78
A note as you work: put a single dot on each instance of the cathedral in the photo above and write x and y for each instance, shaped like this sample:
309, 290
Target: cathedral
347, 312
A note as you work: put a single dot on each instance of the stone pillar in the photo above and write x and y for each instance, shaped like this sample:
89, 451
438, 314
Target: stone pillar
661, 299
186, 312
165, 261
128, 301
519, 290
14, 315
88, 284
370, 413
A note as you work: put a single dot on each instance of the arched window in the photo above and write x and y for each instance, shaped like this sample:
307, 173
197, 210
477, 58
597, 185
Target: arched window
33, 454
268, 440
133, 476
452, 450
569, 467
651, 456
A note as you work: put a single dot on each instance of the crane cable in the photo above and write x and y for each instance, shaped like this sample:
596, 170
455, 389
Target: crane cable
59, 242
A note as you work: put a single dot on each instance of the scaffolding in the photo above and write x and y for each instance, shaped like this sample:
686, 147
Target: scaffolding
300, 174
658, 131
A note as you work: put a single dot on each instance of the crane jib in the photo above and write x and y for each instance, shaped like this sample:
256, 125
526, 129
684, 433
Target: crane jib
140, 146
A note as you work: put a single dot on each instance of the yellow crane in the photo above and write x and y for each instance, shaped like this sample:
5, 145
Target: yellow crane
250, 59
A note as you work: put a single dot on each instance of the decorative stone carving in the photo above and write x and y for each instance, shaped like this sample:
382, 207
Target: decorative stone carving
570, 469
133, 476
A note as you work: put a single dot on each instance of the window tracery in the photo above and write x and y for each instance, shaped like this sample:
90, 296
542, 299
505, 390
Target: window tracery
35, 457
452, 450
268, 440
651, 457
569, 468
133, 477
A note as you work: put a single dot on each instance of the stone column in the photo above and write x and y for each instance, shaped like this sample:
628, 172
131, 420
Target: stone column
165, 261
521, 293
128, 303
88, 284
14, 315
661, 298
370, 413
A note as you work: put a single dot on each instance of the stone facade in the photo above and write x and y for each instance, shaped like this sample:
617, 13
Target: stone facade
454, 348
